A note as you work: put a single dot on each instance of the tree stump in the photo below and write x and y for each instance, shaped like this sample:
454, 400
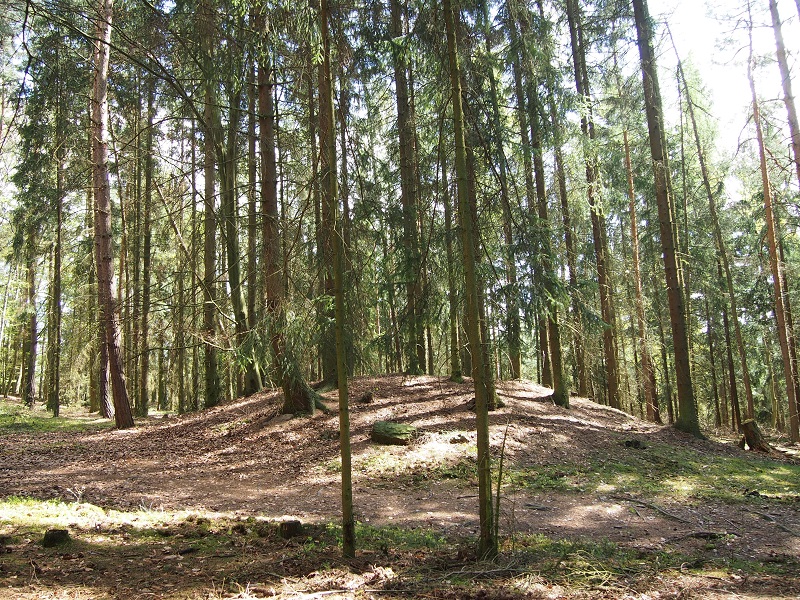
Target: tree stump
290, 529
55, 537
753, 437
388, 433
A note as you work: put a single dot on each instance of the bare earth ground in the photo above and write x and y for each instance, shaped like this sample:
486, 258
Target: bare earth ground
244, 460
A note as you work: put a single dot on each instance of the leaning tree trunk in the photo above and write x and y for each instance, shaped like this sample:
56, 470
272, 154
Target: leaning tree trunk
687, 408
102, 221
488, 542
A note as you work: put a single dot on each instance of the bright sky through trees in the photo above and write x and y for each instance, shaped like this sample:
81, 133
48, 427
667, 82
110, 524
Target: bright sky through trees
708, 38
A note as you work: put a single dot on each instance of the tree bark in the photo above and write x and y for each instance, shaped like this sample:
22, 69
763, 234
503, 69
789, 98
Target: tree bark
330, 186
102, 221
604, 278
409, 193
776, 267
212, 384
720, 244
488, 542
687, 408
786, 81
648, 373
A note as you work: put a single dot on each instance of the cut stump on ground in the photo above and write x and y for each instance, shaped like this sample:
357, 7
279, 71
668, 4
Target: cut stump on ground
753, 437
392, 434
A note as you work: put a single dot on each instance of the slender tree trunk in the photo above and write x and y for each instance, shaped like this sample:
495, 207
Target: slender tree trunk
687, 408
252, 194
329, 183
776, 267
213, 389
712, 365
566, 221
408, 187
604, 278
452, 306
144, 368
327, 214
736, 415
513, 328
30, 350
786, 81
228, 182
648, 373
488, 541
102, 222
719, 242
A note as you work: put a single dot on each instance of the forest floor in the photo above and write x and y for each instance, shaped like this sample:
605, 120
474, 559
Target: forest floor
595, 503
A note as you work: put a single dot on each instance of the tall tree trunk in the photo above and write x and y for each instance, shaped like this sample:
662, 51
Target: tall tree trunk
776, 267
604, 278
31, 339
687, 408
213, 389
513, 328
786, 81
550, 305
102, 222
298, 397
648, 373
325, 241
408, 187
329, 183
712, 365
488, 542
452, 305
736, 415
228, 183
569, 242
144, 368
252, 194
719, 242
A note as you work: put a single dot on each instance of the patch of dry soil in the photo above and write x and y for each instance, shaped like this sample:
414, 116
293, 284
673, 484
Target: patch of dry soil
246, 459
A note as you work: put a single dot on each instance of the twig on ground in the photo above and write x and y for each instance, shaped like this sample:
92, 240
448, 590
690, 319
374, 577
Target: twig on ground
775, 522
652, 506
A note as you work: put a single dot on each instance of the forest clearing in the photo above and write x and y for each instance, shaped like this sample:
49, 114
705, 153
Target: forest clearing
595, 503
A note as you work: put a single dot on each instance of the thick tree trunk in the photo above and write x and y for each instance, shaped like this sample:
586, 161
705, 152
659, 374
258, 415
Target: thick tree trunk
102, 222
687, 408
488, 541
